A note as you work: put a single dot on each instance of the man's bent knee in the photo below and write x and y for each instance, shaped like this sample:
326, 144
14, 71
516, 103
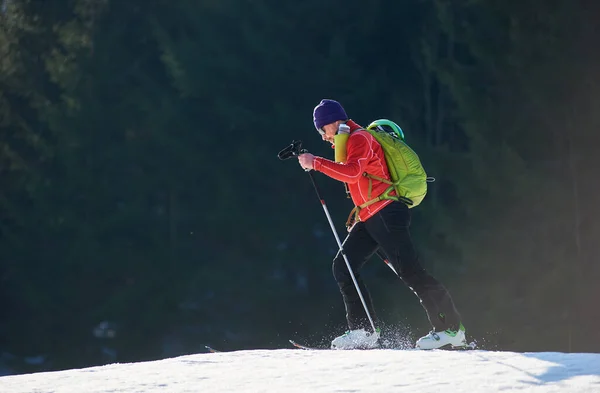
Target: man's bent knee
340, 270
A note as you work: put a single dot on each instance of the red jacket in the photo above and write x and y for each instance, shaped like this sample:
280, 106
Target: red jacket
364, 154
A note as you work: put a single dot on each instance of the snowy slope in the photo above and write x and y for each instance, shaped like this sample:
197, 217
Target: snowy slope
294, 370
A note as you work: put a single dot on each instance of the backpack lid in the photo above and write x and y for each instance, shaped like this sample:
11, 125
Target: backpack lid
388, 126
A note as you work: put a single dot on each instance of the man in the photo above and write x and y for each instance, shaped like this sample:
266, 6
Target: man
381, 226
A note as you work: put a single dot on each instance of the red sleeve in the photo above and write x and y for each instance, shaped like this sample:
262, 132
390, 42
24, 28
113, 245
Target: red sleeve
359, 152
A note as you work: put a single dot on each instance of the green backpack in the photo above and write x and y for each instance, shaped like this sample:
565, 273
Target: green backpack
409, 179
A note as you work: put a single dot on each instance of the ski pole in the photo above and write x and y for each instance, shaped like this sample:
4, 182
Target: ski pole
362, 299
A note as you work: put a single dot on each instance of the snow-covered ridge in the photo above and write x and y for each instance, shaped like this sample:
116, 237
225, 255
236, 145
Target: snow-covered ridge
295, 370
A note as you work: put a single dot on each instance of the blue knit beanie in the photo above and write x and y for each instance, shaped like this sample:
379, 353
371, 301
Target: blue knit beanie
327, 112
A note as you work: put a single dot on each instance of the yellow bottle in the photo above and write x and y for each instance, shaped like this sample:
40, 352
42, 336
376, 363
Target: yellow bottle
339, 141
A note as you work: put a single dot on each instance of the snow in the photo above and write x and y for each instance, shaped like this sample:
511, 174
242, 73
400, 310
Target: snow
295, 370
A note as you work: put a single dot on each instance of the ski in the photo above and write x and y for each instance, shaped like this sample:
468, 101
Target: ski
469, 347
305, 347
309, 348
466, 347
211, 349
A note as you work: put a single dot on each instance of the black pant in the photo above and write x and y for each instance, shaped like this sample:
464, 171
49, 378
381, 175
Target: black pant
387, 232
